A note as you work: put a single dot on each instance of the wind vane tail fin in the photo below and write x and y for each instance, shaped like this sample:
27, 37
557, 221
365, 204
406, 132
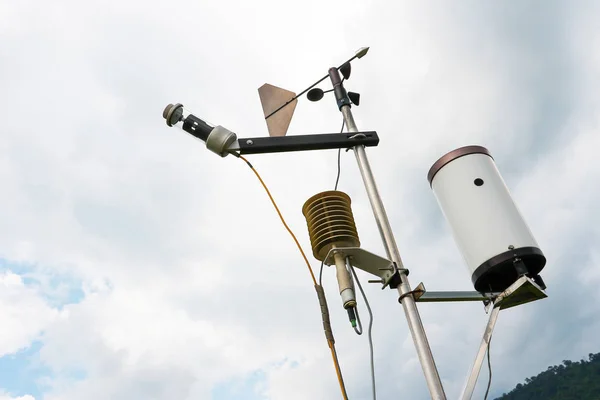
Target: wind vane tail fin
271, 98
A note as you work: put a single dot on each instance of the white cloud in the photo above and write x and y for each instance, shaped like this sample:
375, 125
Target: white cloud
8, 397
189, 278
23, 314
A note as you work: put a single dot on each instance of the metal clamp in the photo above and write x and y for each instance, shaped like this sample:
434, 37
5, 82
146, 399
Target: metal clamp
358, 135
416, 293
381, 267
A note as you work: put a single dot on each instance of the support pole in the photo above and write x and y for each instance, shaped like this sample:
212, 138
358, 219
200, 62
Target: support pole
469, 387
452, 296
415, 324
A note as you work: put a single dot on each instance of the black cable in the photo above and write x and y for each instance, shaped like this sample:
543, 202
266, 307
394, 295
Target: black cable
337, 180
339, 168
370, 330
321, 273
489, 368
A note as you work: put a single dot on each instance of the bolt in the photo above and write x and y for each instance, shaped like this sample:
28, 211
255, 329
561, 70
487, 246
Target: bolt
249, 141
511, 247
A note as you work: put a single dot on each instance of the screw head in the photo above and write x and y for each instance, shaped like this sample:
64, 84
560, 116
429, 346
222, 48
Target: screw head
249, 141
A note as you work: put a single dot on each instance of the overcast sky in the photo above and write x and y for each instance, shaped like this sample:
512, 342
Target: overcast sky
135, 264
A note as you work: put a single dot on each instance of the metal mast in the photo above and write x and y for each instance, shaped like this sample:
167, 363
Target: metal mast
409, 305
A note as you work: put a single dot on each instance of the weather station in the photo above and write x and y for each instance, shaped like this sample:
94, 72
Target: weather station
500, 251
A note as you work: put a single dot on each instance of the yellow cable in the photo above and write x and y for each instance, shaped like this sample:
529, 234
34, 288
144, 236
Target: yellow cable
337, 369
312, 275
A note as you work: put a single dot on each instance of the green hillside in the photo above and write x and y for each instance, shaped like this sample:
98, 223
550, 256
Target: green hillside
572, 380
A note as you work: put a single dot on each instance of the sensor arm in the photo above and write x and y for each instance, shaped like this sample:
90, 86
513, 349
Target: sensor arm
222, 141
323, 141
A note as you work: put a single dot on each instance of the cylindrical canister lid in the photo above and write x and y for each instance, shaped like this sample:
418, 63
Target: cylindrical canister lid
453, 155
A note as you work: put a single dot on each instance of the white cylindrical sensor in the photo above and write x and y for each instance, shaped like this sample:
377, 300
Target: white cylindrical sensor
485, 222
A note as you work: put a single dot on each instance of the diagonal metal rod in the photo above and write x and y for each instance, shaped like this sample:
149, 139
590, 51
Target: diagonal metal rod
471, 382
413, 318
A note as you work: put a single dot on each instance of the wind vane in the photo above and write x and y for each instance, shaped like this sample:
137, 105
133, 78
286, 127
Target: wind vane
282, 102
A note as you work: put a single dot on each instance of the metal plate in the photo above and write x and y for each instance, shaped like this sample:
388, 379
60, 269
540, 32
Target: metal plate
317, 216
320, 252
331, 222
321, 231
523, 291
340, 236
272, 97
326, 208
366, 261
342, 239
313, 214
309, 212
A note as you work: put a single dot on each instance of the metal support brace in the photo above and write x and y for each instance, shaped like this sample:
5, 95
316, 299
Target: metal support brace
523, 290
471, 382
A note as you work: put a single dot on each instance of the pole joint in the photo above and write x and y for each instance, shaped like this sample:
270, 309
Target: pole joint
341, 97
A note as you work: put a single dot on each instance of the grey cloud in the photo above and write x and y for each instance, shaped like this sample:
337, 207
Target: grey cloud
97, 182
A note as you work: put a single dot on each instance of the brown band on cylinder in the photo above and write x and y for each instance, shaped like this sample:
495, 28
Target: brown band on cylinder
453, 155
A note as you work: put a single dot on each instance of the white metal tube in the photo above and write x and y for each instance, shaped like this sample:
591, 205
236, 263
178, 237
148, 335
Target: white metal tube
415, 324
344, 281
471, 382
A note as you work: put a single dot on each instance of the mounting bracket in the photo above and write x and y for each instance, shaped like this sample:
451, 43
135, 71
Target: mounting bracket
279, 144
369, 262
